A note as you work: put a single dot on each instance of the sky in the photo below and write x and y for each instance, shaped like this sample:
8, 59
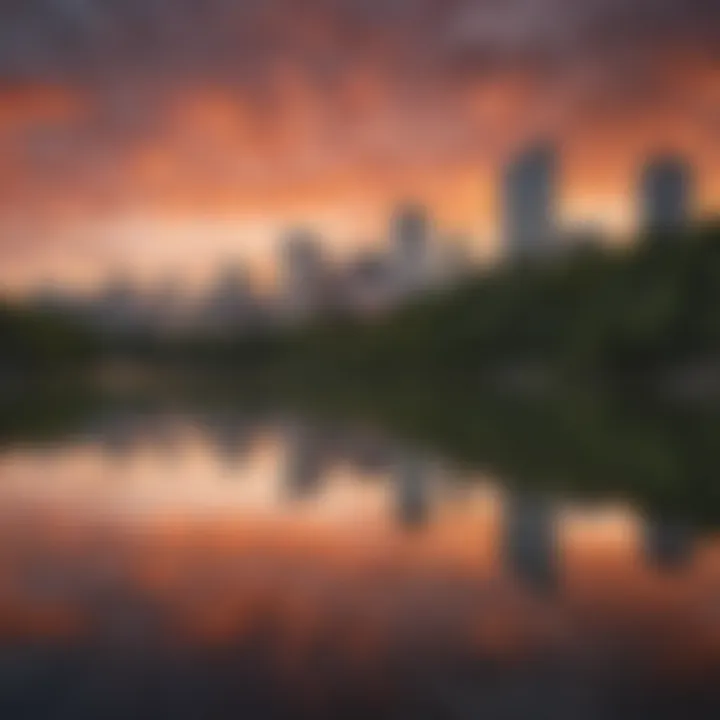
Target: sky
162, 137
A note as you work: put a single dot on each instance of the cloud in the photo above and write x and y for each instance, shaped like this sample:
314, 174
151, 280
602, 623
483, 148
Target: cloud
240, 40
207, 105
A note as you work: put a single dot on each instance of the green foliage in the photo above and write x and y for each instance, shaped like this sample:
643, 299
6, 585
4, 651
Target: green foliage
593, 311
34, 340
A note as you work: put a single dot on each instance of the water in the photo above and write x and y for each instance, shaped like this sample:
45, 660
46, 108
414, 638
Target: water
265, 565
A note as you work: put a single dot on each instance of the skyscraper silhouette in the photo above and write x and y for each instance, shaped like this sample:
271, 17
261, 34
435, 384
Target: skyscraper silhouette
529, 196
410, 234
665, 194
303, 274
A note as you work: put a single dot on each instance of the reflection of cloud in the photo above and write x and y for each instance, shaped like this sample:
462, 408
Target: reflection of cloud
133, 556
367, 594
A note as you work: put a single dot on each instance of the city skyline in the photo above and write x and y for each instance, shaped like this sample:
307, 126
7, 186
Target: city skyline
165, 136
416, 257
618, 217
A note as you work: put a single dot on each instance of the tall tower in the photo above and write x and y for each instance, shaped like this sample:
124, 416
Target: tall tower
529, 197
410, 232
665, 194
303, 274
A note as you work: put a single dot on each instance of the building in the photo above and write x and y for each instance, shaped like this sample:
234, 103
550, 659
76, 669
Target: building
665, 194
168, 307
411, 248
454, 261
304, 276
119, 309
367, 284
529, 199
230, 303
52, 298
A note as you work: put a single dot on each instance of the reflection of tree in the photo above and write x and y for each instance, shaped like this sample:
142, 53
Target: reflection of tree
588, 444
663, 456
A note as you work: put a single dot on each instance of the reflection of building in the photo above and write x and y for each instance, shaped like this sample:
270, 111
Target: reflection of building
231, 437
305, 461
667, 546
529, 202
119, 436
531, 541
413, 476
367, 453
665, 189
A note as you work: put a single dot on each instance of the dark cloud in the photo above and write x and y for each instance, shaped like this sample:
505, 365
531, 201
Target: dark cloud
239, 41
111, 107
336, 81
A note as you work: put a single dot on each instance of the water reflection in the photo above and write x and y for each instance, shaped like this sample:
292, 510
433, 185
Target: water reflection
209, 565
412, 478
531, 541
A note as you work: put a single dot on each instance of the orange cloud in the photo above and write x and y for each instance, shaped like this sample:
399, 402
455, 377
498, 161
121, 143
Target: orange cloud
303, 152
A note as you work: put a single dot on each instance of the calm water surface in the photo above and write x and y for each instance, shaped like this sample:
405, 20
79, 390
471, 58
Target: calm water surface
203, 566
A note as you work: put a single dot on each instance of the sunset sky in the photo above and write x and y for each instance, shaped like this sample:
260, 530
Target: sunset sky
165, 136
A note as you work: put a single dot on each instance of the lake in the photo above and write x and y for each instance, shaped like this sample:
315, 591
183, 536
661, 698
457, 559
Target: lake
217, 562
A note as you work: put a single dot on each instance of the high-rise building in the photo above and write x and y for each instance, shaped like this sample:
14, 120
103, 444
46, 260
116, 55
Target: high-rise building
529, 197
303, 275
665, 194
410, 234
